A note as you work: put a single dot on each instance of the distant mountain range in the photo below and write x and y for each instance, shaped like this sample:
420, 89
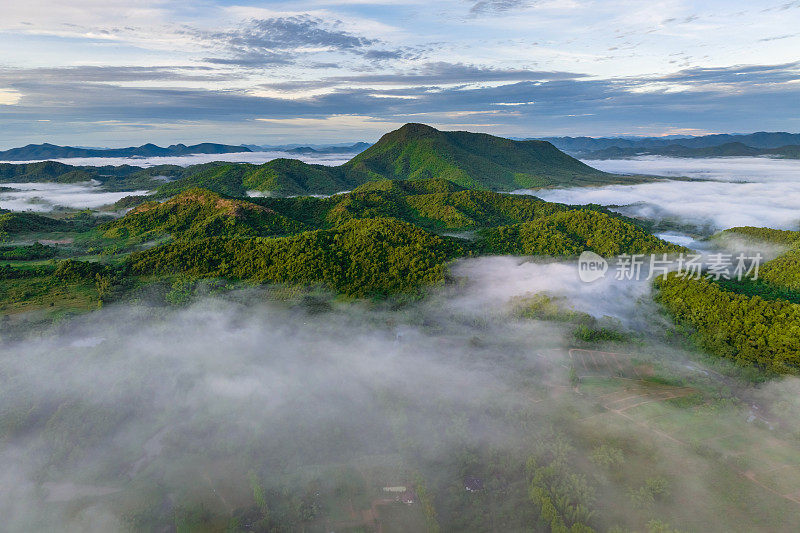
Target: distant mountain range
350, 149
673, 150
779, 144
339, 148
38, 152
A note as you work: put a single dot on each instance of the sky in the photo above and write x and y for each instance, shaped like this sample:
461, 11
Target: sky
118, 73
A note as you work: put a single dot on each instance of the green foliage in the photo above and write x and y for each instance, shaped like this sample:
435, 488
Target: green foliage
562, 498
783, 271
19, 223
775, 236
131, 201
33, 252
589, 333
758, 287
608, 456
358, 258
199, 213
747, 329
568, 233
654, 488
43, 171
542, 306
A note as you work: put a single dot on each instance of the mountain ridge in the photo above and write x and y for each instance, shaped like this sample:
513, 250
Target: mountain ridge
52, 151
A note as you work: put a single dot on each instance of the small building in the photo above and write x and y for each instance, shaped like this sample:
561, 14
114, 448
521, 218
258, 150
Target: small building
473, 484
408, 497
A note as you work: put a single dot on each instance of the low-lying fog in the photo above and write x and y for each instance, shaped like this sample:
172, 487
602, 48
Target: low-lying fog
740, 191
43, 197
132, 412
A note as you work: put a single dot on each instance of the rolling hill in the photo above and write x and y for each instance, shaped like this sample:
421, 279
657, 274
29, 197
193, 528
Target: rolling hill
198, 213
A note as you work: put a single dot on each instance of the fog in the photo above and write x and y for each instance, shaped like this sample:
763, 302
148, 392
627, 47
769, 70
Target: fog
44, 197
738, 191
134, 412
196, 159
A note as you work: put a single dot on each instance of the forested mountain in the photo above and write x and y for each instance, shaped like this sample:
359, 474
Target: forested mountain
415, 151
33, 152
475, 160
13, 223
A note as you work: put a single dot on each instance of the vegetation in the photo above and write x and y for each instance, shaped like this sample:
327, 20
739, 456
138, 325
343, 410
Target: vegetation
27, 253
359, 258
784, 270
15, 223
774, 236
198, 213
569, 233
750, 330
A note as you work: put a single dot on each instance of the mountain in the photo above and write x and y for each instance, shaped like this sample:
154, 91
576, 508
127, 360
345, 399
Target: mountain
352, 149
474, 160
733, 149
33, 152
583, 145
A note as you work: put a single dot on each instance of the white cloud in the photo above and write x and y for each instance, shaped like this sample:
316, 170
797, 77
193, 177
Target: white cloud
9, 97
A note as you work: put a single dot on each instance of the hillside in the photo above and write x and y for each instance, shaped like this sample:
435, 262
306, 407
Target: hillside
568, 233
199, 213
365, 257
19, 223
33, 152
435, 204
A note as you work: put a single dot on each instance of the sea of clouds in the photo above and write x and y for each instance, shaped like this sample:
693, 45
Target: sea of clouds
737, 191
44, 197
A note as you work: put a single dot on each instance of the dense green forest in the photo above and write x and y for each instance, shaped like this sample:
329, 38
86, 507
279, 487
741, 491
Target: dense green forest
769, 235
750, 330
332, 240
363, 257
569, 233
199, 213
12, 223
755, 320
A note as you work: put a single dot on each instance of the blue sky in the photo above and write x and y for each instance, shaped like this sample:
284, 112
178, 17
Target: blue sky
113, 72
